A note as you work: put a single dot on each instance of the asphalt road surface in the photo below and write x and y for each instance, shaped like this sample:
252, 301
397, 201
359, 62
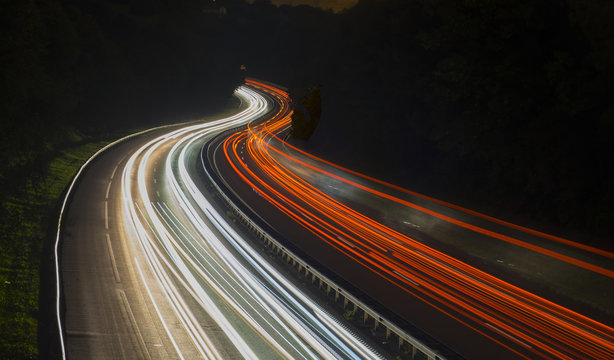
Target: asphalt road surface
320, 209
150, 270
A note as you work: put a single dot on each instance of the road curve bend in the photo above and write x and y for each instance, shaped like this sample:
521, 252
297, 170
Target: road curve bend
318, 207
149, 269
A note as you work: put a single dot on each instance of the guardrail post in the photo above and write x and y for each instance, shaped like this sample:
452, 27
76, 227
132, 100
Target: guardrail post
406, 343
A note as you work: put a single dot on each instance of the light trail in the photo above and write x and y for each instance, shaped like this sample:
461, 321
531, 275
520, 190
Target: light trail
518, 320
59, 233
184, 257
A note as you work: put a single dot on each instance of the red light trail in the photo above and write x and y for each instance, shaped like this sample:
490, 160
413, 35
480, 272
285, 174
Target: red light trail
522, 322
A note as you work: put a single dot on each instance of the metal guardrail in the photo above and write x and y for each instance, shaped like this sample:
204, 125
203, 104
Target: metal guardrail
418, 349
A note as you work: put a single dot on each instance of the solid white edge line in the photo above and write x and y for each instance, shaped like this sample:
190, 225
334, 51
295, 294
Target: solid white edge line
106, 215
60, 217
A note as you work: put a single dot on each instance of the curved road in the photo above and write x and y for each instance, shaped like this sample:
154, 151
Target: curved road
320, 208
149, 268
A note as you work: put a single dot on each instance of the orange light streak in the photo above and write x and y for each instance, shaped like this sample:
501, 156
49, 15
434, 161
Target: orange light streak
518, 320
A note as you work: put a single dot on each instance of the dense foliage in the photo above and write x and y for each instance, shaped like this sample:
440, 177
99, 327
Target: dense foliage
307, 114
511, 99
73, 72
95, 66
506, 103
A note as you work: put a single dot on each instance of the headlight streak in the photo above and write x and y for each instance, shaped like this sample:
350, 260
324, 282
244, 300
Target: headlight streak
182, 260
483, 301
146, 243
254, 259
134, 227
209, 236
153, 301
60, 222
232, 287
256, 298
192, 327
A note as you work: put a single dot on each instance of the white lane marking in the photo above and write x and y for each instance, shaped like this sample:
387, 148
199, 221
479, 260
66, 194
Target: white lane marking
411, 224
168, 332
115, 271
405, 277
509, 336
182, 312
61, 218
157, 253
86, 333
114, 171
155, 181
158, 193
137, 332
106, 197
106, 214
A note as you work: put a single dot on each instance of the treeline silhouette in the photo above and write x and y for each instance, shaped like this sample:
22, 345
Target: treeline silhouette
70, 69
505, 106
307, 113
511, 99
74, 73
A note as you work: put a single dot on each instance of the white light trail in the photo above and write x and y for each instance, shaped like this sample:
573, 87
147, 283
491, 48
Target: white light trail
184, 243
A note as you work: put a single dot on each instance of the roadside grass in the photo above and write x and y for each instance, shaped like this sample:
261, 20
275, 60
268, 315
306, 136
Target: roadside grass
28, 215
28, 220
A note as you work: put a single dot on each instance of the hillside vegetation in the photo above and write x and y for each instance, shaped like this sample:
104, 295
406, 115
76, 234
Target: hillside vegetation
73, 76
504, 106
511, 99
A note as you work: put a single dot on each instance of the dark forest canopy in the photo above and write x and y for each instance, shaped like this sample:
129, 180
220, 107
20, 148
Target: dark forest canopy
511, 98
100, 66
503, 106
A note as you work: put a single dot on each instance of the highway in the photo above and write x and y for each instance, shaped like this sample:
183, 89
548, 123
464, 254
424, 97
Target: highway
151, 270
382, 239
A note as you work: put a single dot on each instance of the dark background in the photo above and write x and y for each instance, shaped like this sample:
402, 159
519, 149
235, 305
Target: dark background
504, 106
